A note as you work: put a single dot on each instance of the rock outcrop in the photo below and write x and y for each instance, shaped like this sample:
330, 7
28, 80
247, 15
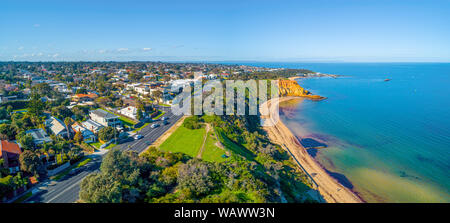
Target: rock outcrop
292, 88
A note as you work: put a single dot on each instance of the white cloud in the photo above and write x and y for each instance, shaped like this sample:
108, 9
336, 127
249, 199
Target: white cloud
55, 55
122, 49
21, 48
146, 49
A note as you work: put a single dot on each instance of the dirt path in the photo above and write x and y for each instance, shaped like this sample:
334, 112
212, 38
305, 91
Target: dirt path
200, 152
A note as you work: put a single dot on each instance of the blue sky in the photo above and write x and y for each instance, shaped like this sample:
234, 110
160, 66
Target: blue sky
333, 30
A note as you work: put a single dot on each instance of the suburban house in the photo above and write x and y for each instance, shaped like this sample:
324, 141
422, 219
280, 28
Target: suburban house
105, 118
85, 97
56, 126
92, 125
10, 153
129, 111
88, 135
39, 136
142, 89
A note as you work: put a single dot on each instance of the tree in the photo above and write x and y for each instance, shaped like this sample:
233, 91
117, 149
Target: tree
26, 141
36, 105
195, 176
139, 114
68, 122
107, 133
8, 131
6, 185
78, 137
30, 162
157, 95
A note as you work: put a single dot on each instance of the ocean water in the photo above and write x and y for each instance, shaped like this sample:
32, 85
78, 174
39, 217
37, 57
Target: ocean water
389, 141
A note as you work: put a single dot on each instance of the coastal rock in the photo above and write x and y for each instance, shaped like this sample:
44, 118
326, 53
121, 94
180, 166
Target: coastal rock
292, 88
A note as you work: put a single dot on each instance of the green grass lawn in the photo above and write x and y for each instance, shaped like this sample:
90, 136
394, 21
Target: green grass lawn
23, 197
110, 146
160, 114
80, 163
96, 144
184, 140
140, 128
211, 152
235, 148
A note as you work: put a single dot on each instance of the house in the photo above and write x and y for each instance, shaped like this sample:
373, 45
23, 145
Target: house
10, 153
105, 118
39, 136
88, 135
85, 97
142, 89
129, 111
56, 126
92, 125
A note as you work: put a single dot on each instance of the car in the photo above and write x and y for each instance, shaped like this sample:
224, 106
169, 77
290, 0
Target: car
165, 122
154, 126
148, 142
138, 137
164, 118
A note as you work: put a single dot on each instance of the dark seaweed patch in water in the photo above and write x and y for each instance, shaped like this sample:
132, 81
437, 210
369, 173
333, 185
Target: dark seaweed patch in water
341, 178
405, 175
312, 152
311, 143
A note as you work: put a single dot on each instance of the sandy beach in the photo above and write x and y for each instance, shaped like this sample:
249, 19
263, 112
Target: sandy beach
331, 190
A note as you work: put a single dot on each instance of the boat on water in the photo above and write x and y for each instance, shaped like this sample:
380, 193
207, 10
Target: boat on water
387, 79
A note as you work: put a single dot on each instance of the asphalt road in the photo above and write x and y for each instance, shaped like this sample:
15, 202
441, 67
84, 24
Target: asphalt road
66, 190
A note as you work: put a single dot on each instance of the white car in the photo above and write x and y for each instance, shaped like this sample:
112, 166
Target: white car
138, 137
154, 126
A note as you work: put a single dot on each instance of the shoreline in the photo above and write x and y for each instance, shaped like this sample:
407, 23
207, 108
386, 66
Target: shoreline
328, 187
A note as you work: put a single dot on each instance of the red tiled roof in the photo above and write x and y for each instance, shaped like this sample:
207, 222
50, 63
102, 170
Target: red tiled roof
9, 147
91, 95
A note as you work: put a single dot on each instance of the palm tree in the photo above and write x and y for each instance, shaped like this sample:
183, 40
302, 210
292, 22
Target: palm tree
67, 122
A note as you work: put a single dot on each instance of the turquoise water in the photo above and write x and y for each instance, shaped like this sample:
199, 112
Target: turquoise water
390, 139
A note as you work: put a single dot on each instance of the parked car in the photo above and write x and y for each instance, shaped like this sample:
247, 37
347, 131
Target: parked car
138, 136
165, 122
154, 126
164, 118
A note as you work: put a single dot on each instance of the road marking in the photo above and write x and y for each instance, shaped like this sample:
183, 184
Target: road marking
73, 185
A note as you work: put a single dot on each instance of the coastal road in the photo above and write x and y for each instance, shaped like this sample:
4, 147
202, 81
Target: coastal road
66, 190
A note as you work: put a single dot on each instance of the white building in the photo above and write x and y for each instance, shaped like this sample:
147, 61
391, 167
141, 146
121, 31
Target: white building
105, 118
92, 125
129, 111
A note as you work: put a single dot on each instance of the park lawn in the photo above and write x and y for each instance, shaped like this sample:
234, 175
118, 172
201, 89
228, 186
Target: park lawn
184, 140
235, 148
211, 152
